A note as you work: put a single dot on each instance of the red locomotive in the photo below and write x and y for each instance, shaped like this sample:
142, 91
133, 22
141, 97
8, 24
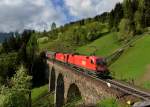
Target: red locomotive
92, 64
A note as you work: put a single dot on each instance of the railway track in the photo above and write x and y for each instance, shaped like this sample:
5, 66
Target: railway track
125, 88
130, 90
117, 85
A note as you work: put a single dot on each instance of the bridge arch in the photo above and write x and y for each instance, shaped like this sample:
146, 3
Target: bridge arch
60, 91
74, 93
52, 80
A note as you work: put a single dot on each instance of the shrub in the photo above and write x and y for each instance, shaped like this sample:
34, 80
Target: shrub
16, 94
110, 102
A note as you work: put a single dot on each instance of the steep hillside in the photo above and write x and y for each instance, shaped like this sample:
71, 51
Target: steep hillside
103, 46
134, 64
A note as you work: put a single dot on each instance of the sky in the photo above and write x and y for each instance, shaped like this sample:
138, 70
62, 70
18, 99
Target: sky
17, 15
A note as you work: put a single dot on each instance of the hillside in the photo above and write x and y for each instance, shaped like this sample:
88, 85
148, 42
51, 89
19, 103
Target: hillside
73, 37
134, 64
103, 46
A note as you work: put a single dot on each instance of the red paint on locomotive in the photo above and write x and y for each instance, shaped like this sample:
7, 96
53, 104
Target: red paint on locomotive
93, 63
60, 57
71, 58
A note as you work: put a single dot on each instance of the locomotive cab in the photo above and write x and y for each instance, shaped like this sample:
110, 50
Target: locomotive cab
100, 62
101, 67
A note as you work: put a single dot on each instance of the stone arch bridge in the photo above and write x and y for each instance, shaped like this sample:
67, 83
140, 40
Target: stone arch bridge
69, 85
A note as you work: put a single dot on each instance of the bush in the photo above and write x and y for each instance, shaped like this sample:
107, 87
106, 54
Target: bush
110, 102
16, 94
12, 99
8, 66
123, 29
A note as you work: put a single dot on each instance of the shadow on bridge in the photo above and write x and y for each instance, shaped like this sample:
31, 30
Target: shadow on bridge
52, 80
74, 93
60, 91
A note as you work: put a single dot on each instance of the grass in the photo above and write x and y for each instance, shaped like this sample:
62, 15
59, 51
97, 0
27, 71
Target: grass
43, 40
38, 98
104, 46
146, 84
38, 92
43, 46
132, 64
47, 101
110, 102
74, 103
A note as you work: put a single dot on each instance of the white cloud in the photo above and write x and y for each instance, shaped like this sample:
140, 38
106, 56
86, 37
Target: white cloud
89, 8
39, 14
21, 14
10, 3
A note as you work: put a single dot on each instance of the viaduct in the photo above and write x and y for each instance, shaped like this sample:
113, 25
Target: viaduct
69, 85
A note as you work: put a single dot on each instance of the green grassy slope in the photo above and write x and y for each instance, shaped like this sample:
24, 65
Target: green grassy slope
104, 45
46, 45
110, 102
38, 92
41, 97
132, 64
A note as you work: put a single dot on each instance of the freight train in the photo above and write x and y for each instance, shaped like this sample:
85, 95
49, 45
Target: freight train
91, 64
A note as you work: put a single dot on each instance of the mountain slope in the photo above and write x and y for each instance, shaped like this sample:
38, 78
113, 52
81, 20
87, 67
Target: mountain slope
103, 46
134, 63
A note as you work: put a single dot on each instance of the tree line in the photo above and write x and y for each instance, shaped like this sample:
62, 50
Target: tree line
130, 18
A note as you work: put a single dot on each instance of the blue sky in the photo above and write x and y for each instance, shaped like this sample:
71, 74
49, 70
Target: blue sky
61, 4
17, 15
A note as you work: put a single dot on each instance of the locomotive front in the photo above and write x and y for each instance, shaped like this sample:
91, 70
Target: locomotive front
101, 67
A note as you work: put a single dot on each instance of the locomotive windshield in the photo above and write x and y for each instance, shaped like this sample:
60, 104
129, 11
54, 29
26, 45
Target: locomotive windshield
100, 62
